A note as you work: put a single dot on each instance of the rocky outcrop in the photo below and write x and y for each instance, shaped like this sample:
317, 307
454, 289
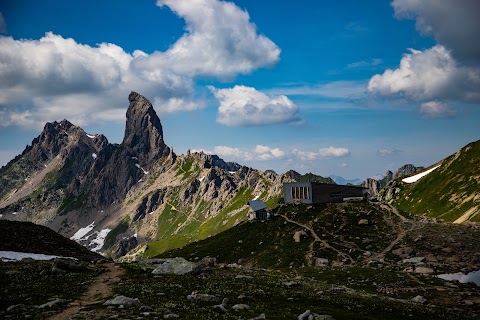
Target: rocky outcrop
406, 170
125, 245
143, 131
374, 185
149, 204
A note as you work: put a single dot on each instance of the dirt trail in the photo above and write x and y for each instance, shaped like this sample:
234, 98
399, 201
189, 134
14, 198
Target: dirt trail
402, 232
99, 289
316, 238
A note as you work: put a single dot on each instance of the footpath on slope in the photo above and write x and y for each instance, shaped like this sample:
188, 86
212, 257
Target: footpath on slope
99, 290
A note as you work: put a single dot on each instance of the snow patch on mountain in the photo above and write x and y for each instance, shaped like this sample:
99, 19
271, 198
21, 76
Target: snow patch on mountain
82, 232
417, 177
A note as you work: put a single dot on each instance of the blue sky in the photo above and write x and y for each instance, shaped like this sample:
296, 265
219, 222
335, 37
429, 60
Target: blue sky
352, 88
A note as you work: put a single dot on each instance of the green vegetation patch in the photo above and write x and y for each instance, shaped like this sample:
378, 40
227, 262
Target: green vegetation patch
112, 235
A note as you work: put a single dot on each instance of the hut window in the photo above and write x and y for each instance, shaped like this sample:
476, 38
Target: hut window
301, 193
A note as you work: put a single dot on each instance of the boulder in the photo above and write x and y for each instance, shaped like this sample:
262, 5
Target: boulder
363, 222
299, 235
202, 297
240, 307
305, 316
419, 299
66, 265
122, 301
415, 260
177, 266
52, 303
321, 262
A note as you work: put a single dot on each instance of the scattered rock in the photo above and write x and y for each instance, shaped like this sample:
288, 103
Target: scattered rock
241, 306
363, 222
415, 260
206, 262
202, 297
15, 307
177, 266
261, 316
64, 265
291, 284
321, 262
423, 270
52, 303
241, 276
305, 316
299, 235
171, 316
122, 300
145, 308
308, 315
419, 299
220, 308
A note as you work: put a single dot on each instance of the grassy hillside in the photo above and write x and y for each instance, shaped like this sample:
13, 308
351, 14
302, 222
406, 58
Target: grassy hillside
449, 192
364, 278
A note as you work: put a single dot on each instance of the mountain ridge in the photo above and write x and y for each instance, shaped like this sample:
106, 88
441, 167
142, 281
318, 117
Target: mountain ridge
135, 194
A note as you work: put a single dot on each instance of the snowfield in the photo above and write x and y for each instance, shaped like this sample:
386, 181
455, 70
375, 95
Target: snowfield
82, 232
416, 177
16, 256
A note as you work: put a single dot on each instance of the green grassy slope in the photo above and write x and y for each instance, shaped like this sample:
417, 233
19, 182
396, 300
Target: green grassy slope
449, 191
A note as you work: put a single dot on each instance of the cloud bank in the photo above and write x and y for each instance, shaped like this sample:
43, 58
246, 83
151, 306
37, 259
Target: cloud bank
322, 153
55, 77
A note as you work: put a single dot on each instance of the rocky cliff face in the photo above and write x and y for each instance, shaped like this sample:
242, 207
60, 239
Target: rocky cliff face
143, 132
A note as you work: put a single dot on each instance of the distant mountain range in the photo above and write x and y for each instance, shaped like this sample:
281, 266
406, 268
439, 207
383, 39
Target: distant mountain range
341, 180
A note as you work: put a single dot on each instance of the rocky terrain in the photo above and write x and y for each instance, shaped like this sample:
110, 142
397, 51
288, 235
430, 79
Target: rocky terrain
353, 260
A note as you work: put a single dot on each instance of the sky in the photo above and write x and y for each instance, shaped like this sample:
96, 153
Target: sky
351, 88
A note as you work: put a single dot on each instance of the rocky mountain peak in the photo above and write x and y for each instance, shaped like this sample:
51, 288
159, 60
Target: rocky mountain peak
143, 132
405, 171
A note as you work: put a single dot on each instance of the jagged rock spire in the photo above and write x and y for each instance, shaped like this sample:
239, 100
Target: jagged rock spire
143, 132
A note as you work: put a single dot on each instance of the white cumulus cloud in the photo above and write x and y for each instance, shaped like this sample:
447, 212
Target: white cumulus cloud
260, 152
267, 153
245, 106
435, 110
429, 74
322, 153
449, 71
220, 40
55, 77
